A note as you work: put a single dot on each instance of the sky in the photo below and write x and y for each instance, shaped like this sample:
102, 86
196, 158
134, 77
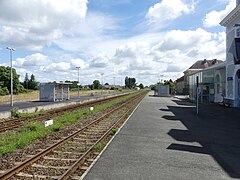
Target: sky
151, 40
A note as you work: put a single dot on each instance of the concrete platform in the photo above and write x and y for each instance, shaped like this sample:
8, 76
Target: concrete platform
165, 139
31, 106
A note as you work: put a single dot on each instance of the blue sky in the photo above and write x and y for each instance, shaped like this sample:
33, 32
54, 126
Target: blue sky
147, 40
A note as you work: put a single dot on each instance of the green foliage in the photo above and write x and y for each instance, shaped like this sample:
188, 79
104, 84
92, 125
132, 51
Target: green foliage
141, 86
5, 83
3, 91
99, 146
114, 130
14, 112
130, 82
96, 84
32, 84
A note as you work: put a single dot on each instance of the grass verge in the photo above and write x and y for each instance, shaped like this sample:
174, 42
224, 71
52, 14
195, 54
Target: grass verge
12, 140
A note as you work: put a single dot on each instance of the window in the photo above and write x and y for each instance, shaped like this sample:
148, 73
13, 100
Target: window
238, 32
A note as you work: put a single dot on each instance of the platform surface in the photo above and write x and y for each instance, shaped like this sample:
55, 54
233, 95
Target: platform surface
165, 139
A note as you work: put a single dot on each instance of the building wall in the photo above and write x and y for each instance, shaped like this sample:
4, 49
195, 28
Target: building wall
180, 87
232, 69
212, 85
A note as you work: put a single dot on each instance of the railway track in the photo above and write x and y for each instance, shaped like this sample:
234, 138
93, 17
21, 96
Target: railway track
14, 123
69, 157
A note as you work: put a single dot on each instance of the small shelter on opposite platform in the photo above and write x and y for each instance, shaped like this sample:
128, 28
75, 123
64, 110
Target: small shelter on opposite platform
54, 91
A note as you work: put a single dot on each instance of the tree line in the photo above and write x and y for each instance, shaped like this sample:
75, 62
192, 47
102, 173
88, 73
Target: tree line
18, 87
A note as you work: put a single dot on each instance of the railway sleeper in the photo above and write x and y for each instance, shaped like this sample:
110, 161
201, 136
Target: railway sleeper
38, 171
26, 176
49, 167
54, 162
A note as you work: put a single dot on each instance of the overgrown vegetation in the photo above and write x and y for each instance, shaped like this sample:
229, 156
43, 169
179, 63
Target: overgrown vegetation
15, 113
99, 146
12, 140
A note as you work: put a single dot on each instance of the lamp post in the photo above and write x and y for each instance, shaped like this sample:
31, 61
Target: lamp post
11, 74
114, 82
161, 77
78, 81
102, 81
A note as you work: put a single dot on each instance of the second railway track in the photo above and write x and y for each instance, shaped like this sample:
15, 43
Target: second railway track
67, 158
14, 123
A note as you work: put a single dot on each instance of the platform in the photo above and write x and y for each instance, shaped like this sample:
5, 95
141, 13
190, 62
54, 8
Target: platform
30, 106
165, 139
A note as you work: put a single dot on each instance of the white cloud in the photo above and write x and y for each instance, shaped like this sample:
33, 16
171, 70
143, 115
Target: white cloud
100, 61
33, 24
37, 59
182, 40
213, 18
78, 63
90, 34
169, 10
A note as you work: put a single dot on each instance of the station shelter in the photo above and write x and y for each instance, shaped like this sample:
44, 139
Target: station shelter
54, 91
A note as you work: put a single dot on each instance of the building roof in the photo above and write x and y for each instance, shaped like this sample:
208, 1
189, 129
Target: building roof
235, 13
56, 83
180, 79
217, 66
202, 64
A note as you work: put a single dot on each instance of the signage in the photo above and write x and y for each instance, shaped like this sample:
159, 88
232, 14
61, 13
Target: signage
230, 78
48, 122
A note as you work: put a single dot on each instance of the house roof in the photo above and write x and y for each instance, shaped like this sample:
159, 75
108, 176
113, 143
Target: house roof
202, 64
180, 79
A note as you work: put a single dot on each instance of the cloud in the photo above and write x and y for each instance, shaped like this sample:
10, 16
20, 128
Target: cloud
168, 10
88, 37
182, 40
37, 59
33, 24
144, 57
78, 63
100, 61
213, 18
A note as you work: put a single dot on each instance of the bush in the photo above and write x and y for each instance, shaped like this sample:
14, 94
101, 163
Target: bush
15, 113
4, 91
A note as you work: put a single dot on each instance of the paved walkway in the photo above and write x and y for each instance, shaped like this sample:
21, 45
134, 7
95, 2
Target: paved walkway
165, 139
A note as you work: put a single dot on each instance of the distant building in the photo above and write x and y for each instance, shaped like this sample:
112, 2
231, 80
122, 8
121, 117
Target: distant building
162, 90
180, 85
183, 87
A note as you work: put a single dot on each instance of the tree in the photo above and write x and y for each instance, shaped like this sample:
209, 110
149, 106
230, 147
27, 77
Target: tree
130, 82
141, 86
26, 81
96, 84
32, 84
5, 83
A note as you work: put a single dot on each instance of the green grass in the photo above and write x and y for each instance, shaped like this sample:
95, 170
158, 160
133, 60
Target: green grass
16, 113
12, 140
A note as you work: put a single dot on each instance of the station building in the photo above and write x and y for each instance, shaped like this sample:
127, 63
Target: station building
221, 82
